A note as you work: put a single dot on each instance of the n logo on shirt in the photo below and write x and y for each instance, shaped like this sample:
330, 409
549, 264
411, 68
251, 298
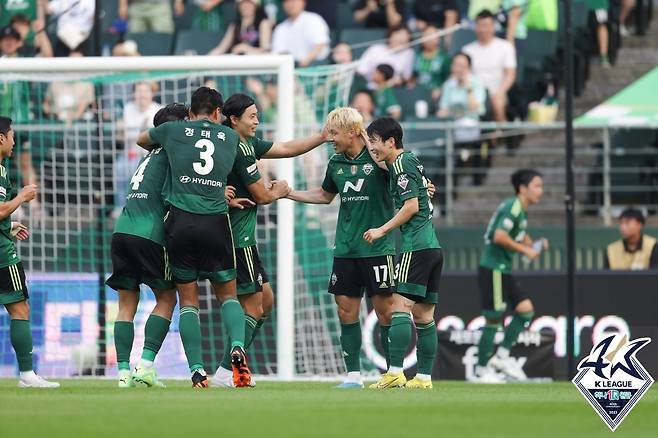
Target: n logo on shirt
356, 188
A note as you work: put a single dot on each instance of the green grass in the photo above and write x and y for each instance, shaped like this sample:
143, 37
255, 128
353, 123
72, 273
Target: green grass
96, 408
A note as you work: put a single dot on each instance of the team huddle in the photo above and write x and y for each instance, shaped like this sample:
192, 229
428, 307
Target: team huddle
190, 215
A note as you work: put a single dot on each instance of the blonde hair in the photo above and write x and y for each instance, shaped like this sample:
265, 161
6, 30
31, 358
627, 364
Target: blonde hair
347, 119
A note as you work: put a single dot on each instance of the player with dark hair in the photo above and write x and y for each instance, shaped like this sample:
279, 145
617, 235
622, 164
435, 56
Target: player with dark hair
13, 289
418, 272
139, 257
253, 286
201, 153
505, 236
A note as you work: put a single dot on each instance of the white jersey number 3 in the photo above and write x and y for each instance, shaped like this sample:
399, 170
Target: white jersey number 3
206, 156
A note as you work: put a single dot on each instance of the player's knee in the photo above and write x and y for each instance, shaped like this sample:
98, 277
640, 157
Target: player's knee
19, 310
423, 315
347, 314
268, 299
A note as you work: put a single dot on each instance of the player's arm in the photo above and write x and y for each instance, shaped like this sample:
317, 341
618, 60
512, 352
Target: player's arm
296, 147
502, 238
266, 195
145, 141
404, 215
27, 193
313, 196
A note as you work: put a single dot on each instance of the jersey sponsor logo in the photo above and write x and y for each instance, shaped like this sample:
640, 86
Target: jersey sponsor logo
137, 196
184, 179
403, 181
612, 379
356, 187
367, 168
253, 168
355, 198
207, 182
354, 169
334, 279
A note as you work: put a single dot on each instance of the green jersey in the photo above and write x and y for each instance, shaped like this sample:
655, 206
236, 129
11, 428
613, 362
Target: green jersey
8, 254
511, 218
244, 173
432, 72
364, 204
385, 102
9, 8
201, 155
407, 181
144, 212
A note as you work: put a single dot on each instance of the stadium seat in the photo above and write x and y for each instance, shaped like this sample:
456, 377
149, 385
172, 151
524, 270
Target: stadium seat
196, 42
459, 39
361, 36
184, 22
152, 43
407, 98
345, 17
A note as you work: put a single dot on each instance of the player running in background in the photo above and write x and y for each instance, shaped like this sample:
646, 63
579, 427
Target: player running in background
254, 289
139, 256
201, 153
419, 266
13, 289
365, 203
505, 236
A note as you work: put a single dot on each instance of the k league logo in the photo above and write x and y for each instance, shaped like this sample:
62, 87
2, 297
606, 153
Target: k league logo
612, 379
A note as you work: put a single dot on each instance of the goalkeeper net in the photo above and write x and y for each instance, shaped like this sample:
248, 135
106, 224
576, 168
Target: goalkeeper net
75, 138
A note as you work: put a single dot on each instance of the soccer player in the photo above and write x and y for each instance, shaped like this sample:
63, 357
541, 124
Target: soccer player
505, 236
139, 256
13, 290
254, 289
365, 203
201, 153
419, 266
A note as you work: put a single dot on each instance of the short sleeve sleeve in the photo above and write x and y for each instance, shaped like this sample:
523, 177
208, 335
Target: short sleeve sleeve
510, 56
507, 219
245, 166
329, 185
159, 134
261, 147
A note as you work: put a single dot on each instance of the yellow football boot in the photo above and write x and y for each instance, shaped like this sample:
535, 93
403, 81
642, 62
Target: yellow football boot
417, 383
389, 380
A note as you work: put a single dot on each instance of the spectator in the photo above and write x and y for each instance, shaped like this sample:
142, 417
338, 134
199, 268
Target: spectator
432, 65
10, 44
626, 9
598, 15
147, 15
303, 34
250, 33
463, 99
385, 100
635, 250
208, 16
364, 103
395, 53
379, 13
75, 19
342, 54
493, 62
137, 117
517, 31
34, 10
69, 101
38, 44
438, 13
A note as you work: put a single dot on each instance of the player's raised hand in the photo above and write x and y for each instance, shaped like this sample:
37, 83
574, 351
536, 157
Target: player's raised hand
280, 188
241, 203
373, 234
28, 193
229, 193
19, 231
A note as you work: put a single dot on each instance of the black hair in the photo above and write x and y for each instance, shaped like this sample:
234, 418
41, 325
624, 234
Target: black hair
205, 101
632, 213
485, 13
522, 177
364, 91
19, 18
170, 113
237, 24
465, 55
385, 128
386, 70
392, 30
236, 105
5, 125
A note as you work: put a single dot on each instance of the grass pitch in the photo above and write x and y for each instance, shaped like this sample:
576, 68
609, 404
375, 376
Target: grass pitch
96, 408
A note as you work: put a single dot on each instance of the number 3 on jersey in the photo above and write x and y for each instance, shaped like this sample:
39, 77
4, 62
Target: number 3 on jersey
208, 148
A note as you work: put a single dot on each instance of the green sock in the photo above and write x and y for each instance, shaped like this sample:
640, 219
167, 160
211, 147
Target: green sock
250, 325
426, 346
383, 337
350, 341
233, 319
516, 326
263, 319
190, 333
21, 339
486, 346
124, 334
155, 331
399, 337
